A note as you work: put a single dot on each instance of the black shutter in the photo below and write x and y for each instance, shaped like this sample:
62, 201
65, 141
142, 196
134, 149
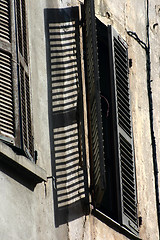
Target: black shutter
66, 115
123, 126
94, 105
24, 82
8, 84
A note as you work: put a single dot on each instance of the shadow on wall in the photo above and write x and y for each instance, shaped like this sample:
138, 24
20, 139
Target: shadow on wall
17, 173
66, 114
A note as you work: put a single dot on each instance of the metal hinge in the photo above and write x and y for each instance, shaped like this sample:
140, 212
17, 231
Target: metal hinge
54, 181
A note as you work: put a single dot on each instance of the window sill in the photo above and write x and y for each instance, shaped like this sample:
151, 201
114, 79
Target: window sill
21, 165
114, 225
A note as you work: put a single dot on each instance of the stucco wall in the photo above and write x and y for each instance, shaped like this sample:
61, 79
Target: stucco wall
132, 15
155, 69
29, 214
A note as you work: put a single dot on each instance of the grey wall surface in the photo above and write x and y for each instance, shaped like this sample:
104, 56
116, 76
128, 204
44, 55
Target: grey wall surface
29, 213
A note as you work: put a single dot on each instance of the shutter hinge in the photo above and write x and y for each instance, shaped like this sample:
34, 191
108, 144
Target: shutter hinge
130, 62
35, 156
81, 22
54, 181
140, 221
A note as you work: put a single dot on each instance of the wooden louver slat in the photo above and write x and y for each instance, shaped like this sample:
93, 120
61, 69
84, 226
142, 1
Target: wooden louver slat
94, 105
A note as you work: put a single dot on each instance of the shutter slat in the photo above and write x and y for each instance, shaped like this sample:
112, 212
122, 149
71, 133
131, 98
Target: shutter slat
5, 90
6, 118
6, 86
5, 110
120, 65
6, 99
121, 76
120, 54
122, 89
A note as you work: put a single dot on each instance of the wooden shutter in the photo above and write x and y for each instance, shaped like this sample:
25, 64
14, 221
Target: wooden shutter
8, 125
94, 105
66, 115
123, 126
24, 82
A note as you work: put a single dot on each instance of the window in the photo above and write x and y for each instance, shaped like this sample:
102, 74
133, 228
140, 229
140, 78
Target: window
111, 141
15, 110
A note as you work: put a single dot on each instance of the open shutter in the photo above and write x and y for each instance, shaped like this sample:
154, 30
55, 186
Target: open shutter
66, 121
8, 84
23, 73
123, 134
94, 105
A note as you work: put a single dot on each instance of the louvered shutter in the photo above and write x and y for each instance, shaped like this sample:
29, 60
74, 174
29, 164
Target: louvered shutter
66, 115
8, 104
24, 81
94, 105
123, 134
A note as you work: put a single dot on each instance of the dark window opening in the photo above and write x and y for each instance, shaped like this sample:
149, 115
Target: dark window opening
109, 202
119, 200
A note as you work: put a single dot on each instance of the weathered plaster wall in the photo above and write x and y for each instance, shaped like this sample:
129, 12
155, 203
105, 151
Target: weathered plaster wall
27, 214
90, 228
155, 69
131, 15
16, 210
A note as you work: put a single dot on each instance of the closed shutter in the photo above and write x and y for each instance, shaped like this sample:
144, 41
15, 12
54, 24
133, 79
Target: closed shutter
15, 111
94, 105
123, 134
7, 74
24, 82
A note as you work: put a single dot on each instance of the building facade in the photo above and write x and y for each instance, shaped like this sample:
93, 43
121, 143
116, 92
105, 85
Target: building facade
79, 119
